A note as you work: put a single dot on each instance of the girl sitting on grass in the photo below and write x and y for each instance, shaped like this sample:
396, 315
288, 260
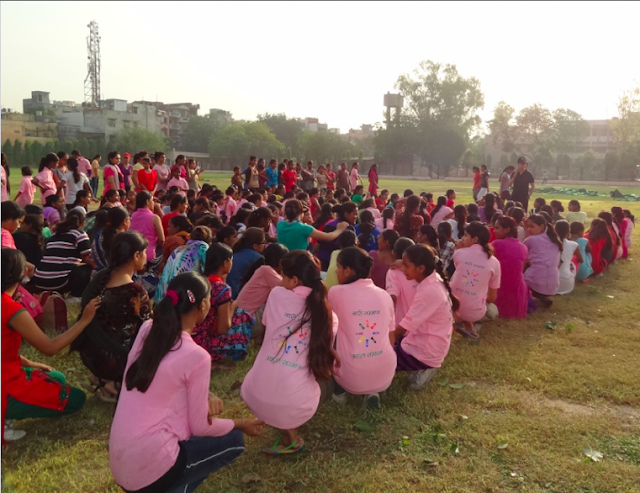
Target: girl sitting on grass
600, 244
365, 314
282, 387
543, 275
401, 289
423, 336
166, 412
577, 235
383, 257
568, 269
477, 278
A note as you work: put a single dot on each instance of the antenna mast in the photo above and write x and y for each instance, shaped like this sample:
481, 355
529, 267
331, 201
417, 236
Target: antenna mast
92, 81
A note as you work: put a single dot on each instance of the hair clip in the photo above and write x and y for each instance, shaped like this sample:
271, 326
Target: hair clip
192, 299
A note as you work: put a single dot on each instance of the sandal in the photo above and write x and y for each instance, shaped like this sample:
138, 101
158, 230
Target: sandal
278, 449
471, 334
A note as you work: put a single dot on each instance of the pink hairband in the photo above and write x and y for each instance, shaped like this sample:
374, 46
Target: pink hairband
173, 296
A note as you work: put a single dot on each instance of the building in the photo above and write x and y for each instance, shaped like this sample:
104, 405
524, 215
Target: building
179, 114
16, 126
223, 117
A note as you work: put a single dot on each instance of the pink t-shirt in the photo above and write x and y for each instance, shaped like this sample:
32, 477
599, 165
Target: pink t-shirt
365, 317
429, 323
142, 222
403, 289
181, 183
27, 192
46, 181
474, 275
376, 213
146, 428
439, 216
84, 166
4, 195
164, 173
380, 224
254, 294
230, 207
6, 239
279, 388
353, 178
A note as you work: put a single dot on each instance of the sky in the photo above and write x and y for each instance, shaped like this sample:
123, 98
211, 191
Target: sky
333, 61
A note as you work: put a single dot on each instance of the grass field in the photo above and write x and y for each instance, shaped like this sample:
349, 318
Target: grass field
512, 413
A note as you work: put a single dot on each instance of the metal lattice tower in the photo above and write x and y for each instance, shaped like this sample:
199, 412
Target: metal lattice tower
92, 81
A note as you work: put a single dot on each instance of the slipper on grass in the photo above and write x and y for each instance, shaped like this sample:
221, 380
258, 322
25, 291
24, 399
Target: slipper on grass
278, 449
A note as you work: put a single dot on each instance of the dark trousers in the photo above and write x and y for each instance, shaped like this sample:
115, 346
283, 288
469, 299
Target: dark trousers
79, 279
94, 185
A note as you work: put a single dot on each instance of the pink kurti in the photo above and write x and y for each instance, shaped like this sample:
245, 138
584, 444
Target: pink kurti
279, 388
147, 426
47, 183
513, 293
366, 316
404, 291
543, 275
429, 323
27, 192
254, 294
475, 274
142, 222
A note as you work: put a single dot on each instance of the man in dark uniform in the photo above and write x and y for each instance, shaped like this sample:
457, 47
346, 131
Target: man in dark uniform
522, 183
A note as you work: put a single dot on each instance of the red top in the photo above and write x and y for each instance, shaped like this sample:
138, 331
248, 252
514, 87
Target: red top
331, 182
34, 388
450, 204
289, 178
165, 221
149, 180
476, 180
380, 204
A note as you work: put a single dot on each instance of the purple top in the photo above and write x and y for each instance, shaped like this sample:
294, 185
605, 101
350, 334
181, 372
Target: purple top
543, 275
126, 172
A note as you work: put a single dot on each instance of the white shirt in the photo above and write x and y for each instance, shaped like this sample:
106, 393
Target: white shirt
72, 187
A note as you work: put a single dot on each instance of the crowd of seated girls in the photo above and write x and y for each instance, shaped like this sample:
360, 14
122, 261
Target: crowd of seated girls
337, 295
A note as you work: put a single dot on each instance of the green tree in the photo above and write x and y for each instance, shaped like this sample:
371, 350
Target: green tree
287, 130
570, 130
503, 128
395, 144
198, 132
626, 132
134, 139
240, 140
586, 164
323, 147
37, 151
610, 165
27, 154
18, 155
7, 148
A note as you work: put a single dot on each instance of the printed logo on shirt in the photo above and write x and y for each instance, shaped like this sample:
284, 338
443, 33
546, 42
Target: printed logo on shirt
367, 337
470, 278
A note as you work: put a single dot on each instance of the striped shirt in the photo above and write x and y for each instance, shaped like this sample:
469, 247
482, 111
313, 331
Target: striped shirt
62, 253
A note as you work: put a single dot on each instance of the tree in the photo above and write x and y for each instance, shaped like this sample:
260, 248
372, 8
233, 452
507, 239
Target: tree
626, 131
610, 165
135, 139
18, 156
322, 147
7, 148
586, 164
240, 140
198, 132
287, 130
27, 154
395, 144
37, 151
570, 130
502, 127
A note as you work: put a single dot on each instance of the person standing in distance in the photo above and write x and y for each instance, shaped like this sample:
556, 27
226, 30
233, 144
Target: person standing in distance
523, 184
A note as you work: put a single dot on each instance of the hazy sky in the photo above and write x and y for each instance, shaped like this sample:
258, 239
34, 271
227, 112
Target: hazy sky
332, 60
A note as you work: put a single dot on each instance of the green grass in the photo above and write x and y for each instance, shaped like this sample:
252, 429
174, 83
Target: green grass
547, 393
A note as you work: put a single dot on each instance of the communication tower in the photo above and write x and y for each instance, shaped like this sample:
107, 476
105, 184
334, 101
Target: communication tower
92, 81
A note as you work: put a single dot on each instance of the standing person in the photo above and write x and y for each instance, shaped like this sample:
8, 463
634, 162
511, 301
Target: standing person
59, 176
477, 277
84, 166
4, 179
76, 181
523, 184
252, 181
365, 319
373, 180
423, 336
545, 176
147, 223
282, 386
308, 177
113, 177
484, 182
477, 177
513, 294
166, 411
331, 178
354, 176
193, 175
162, 170
451, 197
272, 174
505, 178
568, 270
342, 180
95, 174
289, 176
30, 389
322, 178
543, 275
177, 181
44, 179
27, 190
236, 179
181, 163
147, 178
126, 170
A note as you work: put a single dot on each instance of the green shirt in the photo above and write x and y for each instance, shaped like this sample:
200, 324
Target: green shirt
294, 235
357, 199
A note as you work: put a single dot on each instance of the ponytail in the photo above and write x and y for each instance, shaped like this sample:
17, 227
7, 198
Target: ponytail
539, 220
48, 159
72, 164
413, 203
460, 213
185, 293
387, 214
455, 302
74, 220
489, 210
301, 264
358, 261
478, 230
367, 227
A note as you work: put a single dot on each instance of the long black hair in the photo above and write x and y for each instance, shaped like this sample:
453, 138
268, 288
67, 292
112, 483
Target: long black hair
272, 256
72, 164
115, 217
391, 236
367, 227
317, 313
52, 157
80, 194
401, 245
13, 263
460, 214
142, 197
250, 237
292, 209
539, 220
387, 214
358, 261
445, 230
476, 229
489, 210
413, 204
190, 289
423, 255
442, 201
432, 236
36, 223
343, 209
217, 254
181, 223
509, 223
74, 220
326, 214
11, 210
